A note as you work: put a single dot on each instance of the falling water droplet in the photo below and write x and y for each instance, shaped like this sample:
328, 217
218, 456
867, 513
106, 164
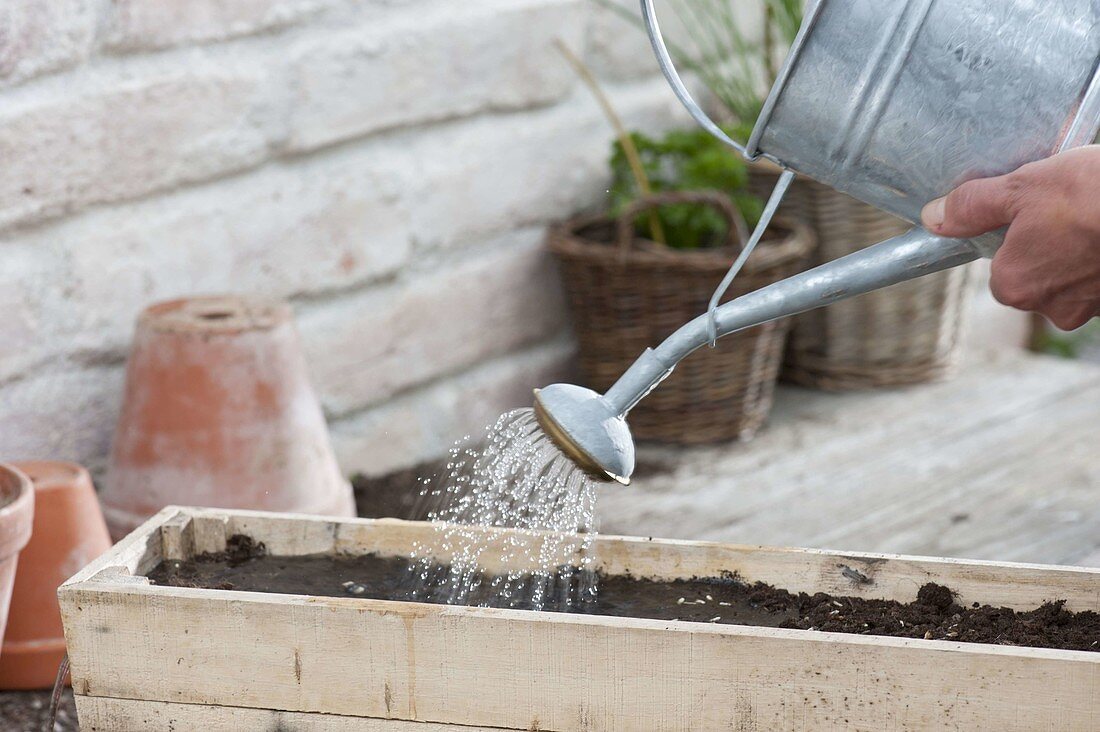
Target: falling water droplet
515, 478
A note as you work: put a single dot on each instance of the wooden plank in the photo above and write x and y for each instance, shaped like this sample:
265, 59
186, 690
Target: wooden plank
569, 672
177, 535
559, 672
104, 714
137, 553
999, 463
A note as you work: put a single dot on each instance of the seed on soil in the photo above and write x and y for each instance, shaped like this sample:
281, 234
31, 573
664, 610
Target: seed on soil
715, 619
758, 605
710, 599
724, 604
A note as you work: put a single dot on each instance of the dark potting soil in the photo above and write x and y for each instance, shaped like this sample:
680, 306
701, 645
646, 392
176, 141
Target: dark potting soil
29, 711
934, 613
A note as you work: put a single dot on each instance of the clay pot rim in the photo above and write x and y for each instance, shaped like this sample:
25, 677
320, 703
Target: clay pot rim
16, 510
75, 473
216, 315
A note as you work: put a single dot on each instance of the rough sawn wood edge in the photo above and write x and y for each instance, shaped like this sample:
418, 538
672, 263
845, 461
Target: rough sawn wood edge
713, 674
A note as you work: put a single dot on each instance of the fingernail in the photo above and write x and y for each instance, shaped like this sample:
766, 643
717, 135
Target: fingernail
933, 214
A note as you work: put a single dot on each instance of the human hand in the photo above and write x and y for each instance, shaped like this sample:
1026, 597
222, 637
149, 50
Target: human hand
1050, 260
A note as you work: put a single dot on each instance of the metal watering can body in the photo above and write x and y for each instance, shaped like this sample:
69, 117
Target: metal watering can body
894, 102
898, 102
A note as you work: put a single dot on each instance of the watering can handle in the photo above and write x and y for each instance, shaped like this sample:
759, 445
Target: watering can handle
668, 68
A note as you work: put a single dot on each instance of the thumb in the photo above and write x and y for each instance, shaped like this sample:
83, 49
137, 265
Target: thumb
973, 208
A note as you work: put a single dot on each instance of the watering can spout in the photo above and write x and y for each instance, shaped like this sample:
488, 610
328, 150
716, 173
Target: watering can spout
911, 255
592, 428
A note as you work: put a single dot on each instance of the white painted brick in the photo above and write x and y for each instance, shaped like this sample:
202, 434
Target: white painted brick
40, 36
324, 223
281, 232
497, 172
33, 285
366, 348
94, 139
150, 24
424, 424
456, 60
617, 48
61, 415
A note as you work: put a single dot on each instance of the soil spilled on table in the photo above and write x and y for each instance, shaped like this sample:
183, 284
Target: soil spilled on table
934, 614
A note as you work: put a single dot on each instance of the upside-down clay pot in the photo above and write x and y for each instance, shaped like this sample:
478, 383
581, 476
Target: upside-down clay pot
16, 520
218, 411
69, 532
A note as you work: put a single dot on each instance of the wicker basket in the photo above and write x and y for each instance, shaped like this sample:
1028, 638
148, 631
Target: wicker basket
905, 334
627, 295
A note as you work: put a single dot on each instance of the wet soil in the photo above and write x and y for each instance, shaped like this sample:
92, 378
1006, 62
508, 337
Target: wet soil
396, 495
933, 614
29, 711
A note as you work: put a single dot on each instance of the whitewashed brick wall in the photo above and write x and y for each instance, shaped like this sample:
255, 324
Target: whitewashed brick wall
387, 165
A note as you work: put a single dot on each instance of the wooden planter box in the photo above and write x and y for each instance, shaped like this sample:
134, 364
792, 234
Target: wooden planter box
166, 658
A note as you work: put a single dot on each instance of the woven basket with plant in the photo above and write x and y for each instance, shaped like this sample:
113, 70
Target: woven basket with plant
637, 274
904, 334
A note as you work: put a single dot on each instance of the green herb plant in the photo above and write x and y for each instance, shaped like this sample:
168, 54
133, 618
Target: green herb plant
737, 65
684, 160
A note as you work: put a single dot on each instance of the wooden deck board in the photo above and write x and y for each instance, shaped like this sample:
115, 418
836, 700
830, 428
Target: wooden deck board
1003, 462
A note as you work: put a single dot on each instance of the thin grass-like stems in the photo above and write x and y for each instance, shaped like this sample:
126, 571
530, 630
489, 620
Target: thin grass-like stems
735, 67
625, 140
733, 89
769, 43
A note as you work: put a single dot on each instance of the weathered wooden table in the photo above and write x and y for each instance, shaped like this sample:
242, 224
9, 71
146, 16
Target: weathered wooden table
1002, 462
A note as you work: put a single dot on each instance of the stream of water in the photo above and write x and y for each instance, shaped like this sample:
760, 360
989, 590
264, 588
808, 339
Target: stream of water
516, 478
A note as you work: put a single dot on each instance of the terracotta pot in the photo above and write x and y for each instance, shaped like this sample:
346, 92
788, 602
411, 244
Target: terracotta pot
16, 520
218, 411
69, 532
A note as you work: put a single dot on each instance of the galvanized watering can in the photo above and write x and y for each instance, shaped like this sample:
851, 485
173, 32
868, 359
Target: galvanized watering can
895, 102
